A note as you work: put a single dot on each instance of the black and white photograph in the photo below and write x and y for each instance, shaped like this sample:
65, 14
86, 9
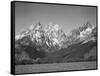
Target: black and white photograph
51, 37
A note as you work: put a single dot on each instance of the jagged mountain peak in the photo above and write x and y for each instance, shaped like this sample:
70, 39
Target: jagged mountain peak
85, 34
85, 26
29, 31
36, 26
52, 27
52, 35
81, 33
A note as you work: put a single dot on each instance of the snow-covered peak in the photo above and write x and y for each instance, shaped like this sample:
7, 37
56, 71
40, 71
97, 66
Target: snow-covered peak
21, 35
85, 32
31, 27
52, 35
56, 27
17, 37
82, 33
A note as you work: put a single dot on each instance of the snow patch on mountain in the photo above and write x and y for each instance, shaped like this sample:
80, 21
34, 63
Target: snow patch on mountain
52, 35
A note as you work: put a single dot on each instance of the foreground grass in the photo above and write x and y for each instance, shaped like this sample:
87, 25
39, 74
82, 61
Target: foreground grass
35, 68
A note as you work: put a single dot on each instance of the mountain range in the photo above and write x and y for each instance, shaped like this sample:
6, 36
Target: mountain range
40, 43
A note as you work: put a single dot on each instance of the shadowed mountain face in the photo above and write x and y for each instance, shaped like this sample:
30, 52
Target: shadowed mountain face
50, 44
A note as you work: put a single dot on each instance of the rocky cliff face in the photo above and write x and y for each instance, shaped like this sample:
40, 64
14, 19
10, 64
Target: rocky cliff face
53, 36
50, 41
50, 36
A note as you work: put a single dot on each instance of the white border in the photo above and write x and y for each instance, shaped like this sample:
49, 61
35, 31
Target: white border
5, 38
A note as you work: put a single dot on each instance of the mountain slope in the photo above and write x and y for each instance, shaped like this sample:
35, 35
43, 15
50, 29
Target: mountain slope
49, 44
75, 52
51, 36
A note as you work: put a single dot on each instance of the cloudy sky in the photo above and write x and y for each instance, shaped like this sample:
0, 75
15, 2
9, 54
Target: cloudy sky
68, 17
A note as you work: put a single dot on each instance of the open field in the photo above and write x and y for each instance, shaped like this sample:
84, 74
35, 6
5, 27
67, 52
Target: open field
35, 68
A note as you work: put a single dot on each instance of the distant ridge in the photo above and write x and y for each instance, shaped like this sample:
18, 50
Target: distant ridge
48, 44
